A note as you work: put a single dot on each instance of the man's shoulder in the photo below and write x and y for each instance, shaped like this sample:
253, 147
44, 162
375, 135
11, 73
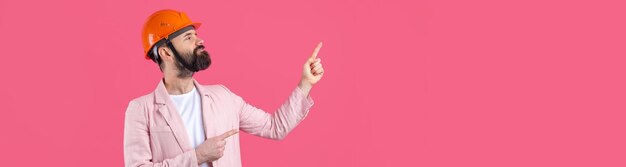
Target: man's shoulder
215, 89
212, 86
141, 103
144, 98
219, 92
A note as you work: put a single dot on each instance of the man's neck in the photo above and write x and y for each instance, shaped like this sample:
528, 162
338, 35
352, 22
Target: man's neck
177, 86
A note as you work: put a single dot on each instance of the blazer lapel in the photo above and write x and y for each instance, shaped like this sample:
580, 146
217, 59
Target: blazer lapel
207, 110
172, 117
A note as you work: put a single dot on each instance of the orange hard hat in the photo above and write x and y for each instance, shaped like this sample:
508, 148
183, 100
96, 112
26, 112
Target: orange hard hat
160, 25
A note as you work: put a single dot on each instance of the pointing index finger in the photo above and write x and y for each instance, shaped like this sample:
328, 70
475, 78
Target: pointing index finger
229, 133
317, 50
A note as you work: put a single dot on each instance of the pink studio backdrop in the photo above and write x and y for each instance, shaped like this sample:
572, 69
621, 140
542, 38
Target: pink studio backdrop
485, 83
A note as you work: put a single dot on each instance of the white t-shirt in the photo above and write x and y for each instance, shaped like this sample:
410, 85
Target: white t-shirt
189, 106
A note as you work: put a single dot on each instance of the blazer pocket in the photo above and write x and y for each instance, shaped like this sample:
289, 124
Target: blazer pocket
163, 143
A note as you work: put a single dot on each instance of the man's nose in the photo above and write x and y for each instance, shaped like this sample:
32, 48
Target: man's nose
200, 42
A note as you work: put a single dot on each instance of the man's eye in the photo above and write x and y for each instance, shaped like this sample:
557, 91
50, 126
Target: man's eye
188, 38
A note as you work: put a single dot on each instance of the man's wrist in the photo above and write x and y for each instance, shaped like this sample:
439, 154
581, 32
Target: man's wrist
199, 158
305, 87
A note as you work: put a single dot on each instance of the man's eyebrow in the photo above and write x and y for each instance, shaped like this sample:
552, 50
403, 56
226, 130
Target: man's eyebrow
188, 34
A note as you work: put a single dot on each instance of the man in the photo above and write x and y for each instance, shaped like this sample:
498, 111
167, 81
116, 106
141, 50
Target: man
183, 123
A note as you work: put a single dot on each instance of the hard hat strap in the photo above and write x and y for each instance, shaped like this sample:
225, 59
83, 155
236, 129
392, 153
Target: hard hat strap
178, 58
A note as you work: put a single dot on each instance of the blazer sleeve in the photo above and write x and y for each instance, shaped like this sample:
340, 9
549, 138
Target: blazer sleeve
277, 125
137, 150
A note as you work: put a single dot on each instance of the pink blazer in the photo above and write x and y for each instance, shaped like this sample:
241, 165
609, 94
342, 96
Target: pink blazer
154, 134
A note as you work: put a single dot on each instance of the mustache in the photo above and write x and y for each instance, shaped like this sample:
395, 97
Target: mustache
201, 47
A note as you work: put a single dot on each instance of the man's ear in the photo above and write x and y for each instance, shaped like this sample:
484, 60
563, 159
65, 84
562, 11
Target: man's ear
165, 53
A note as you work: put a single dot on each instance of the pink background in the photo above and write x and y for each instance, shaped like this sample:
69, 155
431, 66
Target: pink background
408, 83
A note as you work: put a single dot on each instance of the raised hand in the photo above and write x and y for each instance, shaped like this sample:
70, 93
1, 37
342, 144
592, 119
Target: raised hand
313, 71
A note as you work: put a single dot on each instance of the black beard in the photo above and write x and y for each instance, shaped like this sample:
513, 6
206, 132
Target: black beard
198, 59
